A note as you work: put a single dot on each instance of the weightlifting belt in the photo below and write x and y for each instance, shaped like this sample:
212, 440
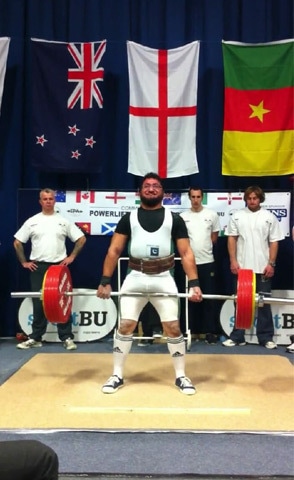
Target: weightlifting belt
152, 267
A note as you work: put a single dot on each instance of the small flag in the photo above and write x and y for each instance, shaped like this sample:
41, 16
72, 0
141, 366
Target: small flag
258, 113
85, 197
84, 226
108, 228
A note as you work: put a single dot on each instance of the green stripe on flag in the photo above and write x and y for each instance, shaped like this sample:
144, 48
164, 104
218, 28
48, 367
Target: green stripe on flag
254, 67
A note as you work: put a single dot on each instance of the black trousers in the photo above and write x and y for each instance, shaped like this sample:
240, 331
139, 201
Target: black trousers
39, 325
203, 316
27, 460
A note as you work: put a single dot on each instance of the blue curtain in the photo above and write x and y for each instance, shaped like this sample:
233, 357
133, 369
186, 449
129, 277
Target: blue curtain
154, 23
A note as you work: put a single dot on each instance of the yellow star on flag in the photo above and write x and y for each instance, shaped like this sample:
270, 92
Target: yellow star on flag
258, 111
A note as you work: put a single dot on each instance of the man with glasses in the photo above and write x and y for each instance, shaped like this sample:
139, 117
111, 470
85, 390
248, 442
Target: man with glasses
151, 233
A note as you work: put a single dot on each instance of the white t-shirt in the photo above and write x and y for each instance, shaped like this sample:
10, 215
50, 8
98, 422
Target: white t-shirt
200, 226
255, 231
48, 234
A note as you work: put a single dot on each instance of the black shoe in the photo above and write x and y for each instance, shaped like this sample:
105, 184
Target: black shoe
112, 384
185, 385
211, 339
144, 342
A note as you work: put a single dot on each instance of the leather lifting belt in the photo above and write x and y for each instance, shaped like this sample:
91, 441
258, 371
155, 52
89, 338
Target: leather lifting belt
152, 267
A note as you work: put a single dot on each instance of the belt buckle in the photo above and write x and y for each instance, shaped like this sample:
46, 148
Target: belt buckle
142, 265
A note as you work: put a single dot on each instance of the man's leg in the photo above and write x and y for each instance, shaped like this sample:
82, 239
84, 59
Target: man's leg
39, 325
177, 349
122, 345
265, 325
27, 460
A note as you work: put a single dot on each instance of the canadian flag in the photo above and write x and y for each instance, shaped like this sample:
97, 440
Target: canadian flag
163, 109
82, 197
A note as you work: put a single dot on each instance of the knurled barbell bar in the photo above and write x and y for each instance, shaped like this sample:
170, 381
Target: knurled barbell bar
57, 292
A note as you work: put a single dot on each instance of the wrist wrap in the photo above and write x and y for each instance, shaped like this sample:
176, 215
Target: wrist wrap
193, 283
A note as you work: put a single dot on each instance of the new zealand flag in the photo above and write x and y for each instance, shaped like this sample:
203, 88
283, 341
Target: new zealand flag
67, 103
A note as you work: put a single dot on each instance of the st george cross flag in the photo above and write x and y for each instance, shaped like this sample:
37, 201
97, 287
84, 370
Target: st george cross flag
4, 47
67, 106
258, 112
163, 109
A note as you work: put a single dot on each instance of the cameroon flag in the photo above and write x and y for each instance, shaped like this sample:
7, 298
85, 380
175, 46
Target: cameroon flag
258, 138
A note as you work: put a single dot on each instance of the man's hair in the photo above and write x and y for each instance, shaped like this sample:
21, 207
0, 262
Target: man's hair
195, 188
47, 190
254, 189
153, 175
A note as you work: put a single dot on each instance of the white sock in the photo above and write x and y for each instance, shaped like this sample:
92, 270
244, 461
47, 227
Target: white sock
121, 347
177, 349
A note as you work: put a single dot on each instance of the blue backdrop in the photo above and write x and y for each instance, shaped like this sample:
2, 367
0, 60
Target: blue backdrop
154, 23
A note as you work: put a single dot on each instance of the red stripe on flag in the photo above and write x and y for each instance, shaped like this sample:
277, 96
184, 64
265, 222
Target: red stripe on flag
162, 121
278, 106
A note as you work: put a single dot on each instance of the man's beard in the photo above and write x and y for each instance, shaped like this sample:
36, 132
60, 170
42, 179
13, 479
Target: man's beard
151, 201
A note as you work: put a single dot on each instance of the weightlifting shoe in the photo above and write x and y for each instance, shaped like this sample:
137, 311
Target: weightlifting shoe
290, 348
145, 342
185, 385
270, 345
69, 344
157, 333
231, 343
30, 343
112, 384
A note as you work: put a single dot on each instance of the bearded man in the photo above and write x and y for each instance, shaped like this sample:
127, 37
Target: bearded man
151, 233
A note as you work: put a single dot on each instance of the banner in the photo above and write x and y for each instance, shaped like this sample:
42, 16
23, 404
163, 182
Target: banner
258, 133
4, 47
97, 213
67, 106
163, 108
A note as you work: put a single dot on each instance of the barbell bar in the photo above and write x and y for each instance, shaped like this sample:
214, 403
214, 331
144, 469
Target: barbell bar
57, 292
260, 300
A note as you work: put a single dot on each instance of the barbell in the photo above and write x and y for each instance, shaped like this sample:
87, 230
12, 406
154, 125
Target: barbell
57, 292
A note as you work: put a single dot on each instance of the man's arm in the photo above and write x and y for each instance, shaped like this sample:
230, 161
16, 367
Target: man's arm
18, 246
187, 257
76, 250
190, 268
273, 253
115, 249
214, 237
232, 249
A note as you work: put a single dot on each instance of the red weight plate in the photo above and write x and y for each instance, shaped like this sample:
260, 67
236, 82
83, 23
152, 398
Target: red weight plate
56, 304
245, 303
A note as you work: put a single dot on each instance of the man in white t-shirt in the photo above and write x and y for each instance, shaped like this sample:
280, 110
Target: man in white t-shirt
203, 228
253, 241
47, 232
